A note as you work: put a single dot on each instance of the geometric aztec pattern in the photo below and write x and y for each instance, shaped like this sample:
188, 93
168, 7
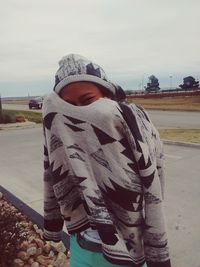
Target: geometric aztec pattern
114, 197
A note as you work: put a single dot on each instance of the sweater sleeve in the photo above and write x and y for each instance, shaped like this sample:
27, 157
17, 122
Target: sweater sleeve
155, 236
53, 222
148, 153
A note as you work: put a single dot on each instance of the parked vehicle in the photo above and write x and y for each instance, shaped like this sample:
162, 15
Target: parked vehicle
36, 103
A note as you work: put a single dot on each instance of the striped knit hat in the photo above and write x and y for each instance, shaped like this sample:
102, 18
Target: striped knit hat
75, 68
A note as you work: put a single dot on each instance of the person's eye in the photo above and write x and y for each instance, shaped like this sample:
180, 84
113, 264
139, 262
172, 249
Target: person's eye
88, 100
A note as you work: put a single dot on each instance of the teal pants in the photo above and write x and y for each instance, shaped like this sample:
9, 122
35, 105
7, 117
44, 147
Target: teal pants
80, 257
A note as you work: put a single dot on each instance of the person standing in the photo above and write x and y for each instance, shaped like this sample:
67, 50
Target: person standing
103, 172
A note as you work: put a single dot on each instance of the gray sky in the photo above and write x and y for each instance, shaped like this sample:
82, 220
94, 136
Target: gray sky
130, 39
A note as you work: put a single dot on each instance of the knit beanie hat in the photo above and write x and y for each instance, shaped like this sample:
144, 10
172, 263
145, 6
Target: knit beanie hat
75, 68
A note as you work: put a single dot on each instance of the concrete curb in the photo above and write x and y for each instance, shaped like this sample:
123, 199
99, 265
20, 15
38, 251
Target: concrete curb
179, 110
178, 143
18, 125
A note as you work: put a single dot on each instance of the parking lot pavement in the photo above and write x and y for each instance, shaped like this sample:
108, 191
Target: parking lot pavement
182, 204
21, 164
21, 173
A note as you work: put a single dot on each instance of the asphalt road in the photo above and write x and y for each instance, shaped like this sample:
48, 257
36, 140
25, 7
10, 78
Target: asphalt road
161, 119
19, 107
21, 173
175, 119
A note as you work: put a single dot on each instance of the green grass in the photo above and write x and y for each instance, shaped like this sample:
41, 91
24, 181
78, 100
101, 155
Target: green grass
29, 115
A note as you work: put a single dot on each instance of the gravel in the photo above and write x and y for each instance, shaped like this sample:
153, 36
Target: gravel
21, 242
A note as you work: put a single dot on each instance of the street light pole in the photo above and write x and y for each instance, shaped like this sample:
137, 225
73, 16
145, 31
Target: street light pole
1, 111
170, 81
143, 81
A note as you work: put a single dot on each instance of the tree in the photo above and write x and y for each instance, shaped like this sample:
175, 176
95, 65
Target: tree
189, 82
153, 84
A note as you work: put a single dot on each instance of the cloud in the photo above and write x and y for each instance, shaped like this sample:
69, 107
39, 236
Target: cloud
127, 37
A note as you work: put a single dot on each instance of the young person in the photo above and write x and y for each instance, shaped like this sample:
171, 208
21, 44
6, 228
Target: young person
103, 172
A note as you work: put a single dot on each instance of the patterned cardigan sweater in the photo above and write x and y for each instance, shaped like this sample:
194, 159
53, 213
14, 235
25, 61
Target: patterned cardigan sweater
103, 168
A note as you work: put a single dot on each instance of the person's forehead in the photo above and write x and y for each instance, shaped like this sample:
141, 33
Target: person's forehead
79, 88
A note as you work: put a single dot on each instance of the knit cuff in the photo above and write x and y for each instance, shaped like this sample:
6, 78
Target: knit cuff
52, 236
159, 264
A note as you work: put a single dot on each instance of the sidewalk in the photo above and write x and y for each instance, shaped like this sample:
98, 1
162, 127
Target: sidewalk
180, 143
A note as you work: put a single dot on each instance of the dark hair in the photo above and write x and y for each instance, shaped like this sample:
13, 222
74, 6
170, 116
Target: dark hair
105, 91
120, 94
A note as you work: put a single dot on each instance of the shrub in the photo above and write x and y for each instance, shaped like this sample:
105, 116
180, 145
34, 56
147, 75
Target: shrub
20, 118
8, 118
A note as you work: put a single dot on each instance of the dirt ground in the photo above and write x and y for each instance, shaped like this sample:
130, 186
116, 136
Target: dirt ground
189, 103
